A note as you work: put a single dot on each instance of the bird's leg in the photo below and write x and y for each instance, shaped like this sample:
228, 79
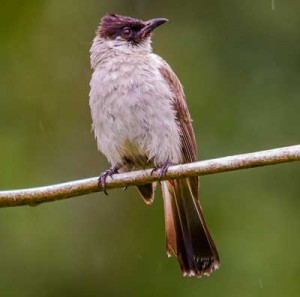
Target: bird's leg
103, 176
163, 169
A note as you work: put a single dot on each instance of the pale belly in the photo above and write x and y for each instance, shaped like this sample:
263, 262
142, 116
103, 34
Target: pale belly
134, 120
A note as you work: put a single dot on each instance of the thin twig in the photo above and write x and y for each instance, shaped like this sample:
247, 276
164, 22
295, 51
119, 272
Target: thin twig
35, 196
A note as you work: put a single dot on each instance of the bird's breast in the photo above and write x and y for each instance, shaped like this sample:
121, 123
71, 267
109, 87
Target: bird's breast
132, 110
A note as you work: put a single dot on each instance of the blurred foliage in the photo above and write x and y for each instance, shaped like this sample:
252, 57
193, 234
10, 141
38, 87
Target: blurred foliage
239, 62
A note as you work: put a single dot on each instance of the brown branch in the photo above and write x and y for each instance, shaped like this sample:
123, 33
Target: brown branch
35, 196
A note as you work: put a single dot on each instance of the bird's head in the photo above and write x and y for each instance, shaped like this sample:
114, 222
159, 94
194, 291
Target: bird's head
126, 30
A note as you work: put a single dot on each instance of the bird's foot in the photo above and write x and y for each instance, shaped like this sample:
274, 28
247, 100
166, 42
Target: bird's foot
104, 175
163, 169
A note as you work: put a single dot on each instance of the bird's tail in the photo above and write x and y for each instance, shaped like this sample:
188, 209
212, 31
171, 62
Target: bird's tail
187, 235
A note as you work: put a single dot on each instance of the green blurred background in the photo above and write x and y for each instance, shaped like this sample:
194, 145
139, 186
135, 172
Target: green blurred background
239, 62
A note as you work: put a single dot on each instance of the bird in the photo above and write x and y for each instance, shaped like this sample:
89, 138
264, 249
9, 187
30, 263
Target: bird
141, 120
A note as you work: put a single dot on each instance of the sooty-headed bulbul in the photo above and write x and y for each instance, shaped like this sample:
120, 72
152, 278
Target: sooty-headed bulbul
141, 120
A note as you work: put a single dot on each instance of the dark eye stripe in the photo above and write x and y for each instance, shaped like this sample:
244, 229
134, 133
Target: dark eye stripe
136, 26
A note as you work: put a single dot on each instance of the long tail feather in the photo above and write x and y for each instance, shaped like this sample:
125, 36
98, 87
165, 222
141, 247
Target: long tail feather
187, 235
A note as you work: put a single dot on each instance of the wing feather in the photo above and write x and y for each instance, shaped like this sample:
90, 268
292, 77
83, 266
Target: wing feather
188, 141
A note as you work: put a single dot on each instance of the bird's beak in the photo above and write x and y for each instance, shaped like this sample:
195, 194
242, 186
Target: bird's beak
151, 25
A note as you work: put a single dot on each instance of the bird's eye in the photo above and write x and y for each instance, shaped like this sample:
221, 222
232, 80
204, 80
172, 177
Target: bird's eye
126, 32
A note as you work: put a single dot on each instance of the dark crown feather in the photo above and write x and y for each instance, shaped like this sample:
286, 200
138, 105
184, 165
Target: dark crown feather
111, 24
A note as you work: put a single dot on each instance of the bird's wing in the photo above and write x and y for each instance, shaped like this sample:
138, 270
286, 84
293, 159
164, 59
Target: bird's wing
188, 141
